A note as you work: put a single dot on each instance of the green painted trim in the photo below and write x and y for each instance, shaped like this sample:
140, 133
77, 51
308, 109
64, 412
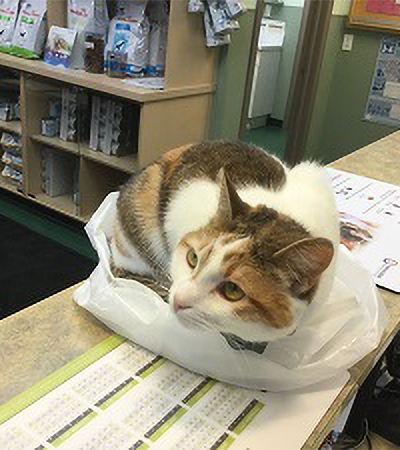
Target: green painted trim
60, 376
118, 394
227, 443
248, 418
199, 395
74, 429
168, 424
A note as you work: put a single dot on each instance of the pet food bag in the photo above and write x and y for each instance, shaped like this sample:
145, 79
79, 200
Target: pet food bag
128, 41
334, 334
30, 30
8, 18
86, 16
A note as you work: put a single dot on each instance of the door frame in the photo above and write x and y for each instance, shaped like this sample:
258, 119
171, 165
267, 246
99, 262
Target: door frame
310, 49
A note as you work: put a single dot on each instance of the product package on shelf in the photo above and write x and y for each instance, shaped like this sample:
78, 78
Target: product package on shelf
9, 104
30, 30
219, 19
114, 127
195, 6
11, 158
94, 53
87, 17
57, 172
9, 110
69, 113
126, 52
61, 49
158, 17
11, 143
74, 117
8, 19
127, 47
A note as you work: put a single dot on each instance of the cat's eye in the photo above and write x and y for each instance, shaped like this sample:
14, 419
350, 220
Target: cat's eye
191, 258
231, 291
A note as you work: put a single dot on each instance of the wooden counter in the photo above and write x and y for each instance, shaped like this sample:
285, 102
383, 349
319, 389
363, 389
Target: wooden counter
40, 339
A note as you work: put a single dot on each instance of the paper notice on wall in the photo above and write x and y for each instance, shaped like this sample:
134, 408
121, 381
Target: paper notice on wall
370, 224
384, 98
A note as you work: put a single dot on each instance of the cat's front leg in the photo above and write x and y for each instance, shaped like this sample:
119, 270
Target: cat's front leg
153, 284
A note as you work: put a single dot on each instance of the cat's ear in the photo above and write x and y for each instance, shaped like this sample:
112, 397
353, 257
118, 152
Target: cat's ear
304, 261
230, 204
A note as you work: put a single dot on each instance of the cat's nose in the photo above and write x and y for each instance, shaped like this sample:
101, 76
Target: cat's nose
179, 304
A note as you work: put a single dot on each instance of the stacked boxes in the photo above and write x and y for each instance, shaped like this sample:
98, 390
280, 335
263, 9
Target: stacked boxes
60, 174
11, 159
113, 127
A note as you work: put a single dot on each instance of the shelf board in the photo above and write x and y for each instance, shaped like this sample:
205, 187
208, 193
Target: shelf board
4, 183
61, 203
71, 147
13, 126
127, 163
101, 83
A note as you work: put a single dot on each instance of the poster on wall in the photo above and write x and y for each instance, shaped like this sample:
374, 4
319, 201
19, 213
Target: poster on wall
383, 104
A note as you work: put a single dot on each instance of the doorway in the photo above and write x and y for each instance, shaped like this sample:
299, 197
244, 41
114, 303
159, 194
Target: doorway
284, 64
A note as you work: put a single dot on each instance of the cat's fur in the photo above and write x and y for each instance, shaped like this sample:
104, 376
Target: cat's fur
250, 220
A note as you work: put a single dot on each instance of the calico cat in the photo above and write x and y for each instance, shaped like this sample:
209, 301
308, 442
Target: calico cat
244, 243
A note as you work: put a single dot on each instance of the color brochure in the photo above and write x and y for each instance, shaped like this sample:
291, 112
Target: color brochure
370, 224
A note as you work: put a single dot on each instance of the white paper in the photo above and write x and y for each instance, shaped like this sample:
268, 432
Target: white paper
131, 398
370, 224
147, 82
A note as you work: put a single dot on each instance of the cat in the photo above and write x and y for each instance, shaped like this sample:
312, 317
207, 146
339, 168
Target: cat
244, 243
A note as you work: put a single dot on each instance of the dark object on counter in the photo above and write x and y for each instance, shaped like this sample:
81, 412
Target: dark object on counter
94, 56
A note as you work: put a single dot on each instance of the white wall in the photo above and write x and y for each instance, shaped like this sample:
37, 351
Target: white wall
298, 3
341, 7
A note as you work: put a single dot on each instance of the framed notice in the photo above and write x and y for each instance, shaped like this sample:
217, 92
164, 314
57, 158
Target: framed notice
376, 14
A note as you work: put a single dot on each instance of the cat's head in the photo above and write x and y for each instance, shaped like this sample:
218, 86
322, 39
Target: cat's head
251, 272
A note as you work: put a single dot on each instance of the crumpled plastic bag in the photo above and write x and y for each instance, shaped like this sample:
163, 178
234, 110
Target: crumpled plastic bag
333, 335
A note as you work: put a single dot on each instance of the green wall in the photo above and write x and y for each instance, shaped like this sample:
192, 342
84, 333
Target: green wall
337, 125
231, 80
292, 16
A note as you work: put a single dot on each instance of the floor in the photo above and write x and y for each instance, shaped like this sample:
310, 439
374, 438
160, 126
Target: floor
271, 138
52, 225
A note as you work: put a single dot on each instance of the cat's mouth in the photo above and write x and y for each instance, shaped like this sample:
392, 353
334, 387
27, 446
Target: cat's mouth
195, 321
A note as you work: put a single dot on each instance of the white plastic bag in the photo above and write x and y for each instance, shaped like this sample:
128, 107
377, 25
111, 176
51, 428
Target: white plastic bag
332, 337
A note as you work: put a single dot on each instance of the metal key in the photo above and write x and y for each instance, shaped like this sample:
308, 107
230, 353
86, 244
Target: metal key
387, 264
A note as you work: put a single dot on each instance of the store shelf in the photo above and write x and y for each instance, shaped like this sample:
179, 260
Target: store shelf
13, 126
71, 147
62, 203
128, 163
101, 83
4, 183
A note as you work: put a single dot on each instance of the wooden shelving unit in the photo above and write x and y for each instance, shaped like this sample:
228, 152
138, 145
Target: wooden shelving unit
168, 118
13, 126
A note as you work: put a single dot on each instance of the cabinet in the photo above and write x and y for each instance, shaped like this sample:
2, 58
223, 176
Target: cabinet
162, 119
